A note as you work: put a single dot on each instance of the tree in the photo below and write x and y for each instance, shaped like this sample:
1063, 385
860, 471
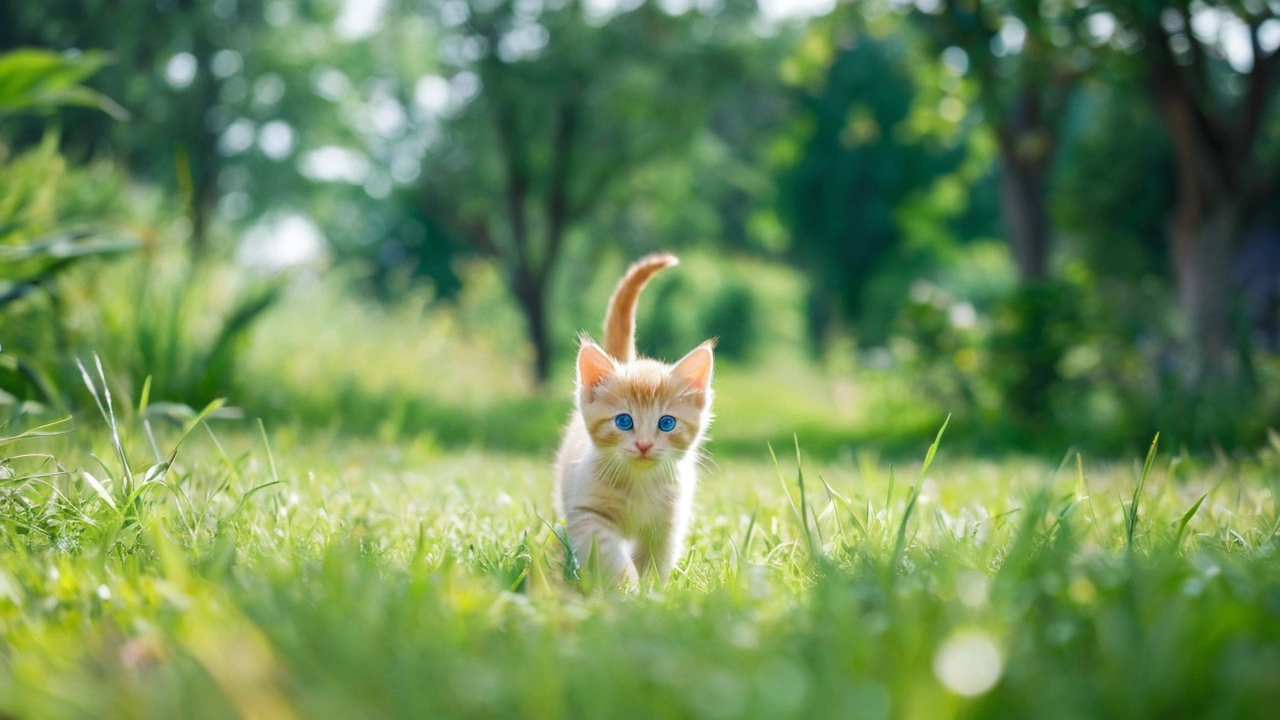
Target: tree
178, 68
1212, 69
549, 109
858, 167
1021, 54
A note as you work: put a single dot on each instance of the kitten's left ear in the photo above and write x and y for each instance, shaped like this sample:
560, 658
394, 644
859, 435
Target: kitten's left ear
593, 365
696, 367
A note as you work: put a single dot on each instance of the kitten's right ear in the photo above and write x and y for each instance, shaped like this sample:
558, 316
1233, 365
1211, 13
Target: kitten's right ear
696, 367
594, 366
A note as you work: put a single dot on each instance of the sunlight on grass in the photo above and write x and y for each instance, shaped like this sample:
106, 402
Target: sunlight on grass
275, 574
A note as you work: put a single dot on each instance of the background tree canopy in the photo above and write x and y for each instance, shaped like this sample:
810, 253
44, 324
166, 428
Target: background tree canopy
1056, 218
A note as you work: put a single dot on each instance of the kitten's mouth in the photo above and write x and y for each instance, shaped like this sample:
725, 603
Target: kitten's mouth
643, 460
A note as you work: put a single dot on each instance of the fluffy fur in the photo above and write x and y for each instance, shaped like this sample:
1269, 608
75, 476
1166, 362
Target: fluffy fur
627, 495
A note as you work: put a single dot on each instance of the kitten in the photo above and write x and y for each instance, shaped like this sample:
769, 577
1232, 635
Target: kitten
627, 466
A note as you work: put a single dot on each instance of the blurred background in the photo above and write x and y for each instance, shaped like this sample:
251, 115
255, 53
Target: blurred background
1057, 221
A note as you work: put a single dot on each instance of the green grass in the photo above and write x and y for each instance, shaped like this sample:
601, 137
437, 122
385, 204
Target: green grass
301, 573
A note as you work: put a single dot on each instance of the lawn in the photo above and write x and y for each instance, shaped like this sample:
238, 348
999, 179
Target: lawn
274, 572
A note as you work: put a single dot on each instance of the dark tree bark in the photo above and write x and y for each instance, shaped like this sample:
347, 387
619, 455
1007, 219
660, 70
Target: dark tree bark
1222, 179
200, 163
529, 275
1026, 151
531, 295
1204, 241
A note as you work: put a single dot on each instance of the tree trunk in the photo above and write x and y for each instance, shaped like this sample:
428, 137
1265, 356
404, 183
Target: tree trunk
1203, 237
202, 158
531, 296
1203, 233
1027, 141
1022, 204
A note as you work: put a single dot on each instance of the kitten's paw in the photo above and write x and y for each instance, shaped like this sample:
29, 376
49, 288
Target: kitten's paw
630, 579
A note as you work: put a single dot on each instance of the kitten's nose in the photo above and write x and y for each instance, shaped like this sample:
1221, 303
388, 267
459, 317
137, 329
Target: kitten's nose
643, 447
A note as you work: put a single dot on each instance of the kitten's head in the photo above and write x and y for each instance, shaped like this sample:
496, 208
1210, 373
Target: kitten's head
645, 412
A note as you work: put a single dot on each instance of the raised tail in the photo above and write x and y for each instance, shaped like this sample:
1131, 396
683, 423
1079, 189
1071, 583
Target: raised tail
620, 318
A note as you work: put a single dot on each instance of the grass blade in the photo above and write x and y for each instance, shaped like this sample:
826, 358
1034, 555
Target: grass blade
1131, 514
933, 449
1186, 518
751, 526
146, 396
40, 431
271, 458
900, 542
783, 480
804, 504
245, 498
208, 410
108, 414
98, 488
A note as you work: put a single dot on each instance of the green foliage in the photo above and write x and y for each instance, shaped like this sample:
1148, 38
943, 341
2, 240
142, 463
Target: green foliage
167, 330
40, 81
853, 167
183, 325
39, 237
179, 120
1033, 330
485, 168
734, 309
1117, 225
519, 169
1055, 364
740, 304
37, 241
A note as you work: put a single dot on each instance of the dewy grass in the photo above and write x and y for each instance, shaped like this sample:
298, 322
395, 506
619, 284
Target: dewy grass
265, 573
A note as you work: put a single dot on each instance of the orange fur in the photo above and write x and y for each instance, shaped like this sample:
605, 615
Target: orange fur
627, 494
620, 317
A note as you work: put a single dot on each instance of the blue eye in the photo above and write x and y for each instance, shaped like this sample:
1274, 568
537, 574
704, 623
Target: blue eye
666, 423
623, 422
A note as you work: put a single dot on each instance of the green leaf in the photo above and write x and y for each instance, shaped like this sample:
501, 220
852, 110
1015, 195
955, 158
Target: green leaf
35, 80
1186, 519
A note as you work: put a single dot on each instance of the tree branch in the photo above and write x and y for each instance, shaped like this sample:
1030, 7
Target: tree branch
1254, 105
1196, 137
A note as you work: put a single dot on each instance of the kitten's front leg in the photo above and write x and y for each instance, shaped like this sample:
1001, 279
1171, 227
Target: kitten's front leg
661, 547
588, 528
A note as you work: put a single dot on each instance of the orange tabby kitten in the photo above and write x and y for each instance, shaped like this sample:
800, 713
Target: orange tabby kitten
627, 466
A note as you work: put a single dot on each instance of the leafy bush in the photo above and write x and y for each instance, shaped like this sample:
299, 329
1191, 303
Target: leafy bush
38, 238
1063, 363
39, 242
161, 315
165, 316
748, 306
1033, 330
34, 81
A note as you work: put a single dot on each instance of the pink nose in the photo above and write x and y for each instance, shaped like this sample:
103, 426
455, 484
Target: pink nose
643, 447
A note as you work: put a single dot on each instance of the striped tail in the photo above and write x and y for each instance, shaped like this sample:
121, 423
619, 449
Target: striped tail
620, 318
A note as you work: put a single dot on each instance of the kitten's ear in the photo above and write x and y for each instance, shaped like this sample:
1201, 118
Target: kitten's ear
594, 366
696, 367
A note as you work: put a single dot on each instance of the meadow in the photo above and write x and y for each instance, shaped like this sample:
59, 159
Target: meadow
288, 292
162, 562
